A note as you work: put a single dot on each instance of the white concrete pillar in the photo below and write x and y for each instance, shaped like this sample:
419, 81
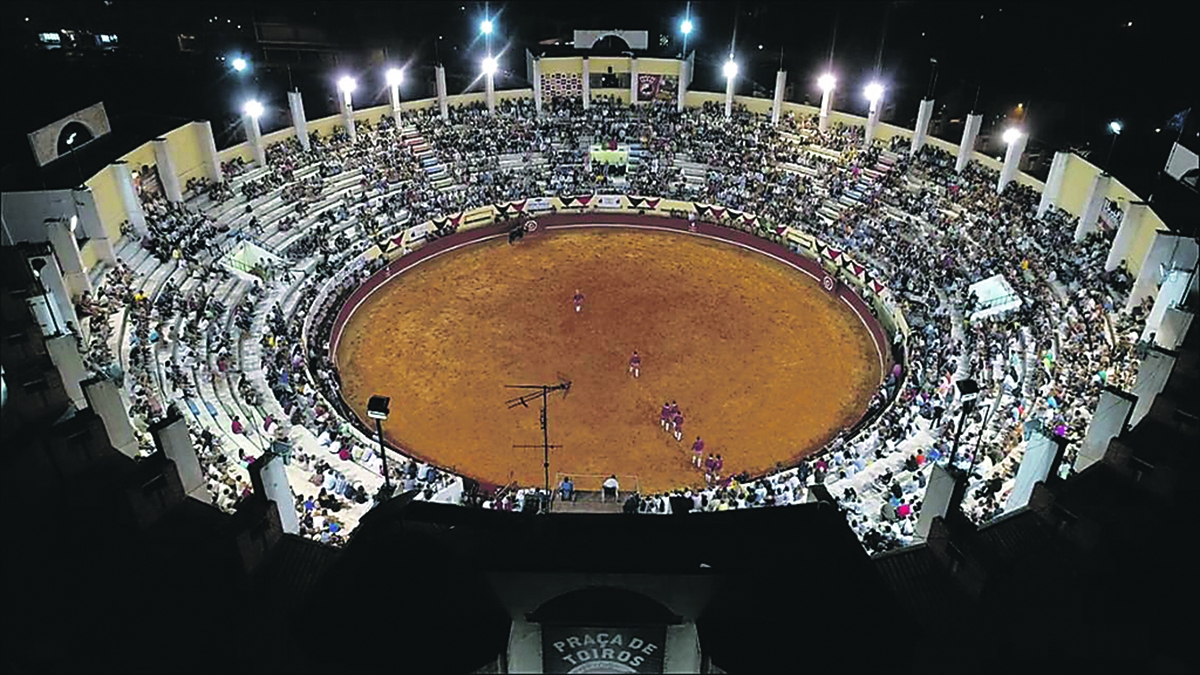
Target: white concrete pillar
826, 108
58, 296
129, 199
537, 85
872, 122
1090, 215
104, 398
587, 83
729, 96
1108, 421
1168, 251
921, 132
1153, 372
685, 79
777, 104
939, 494
489, 86
347, 105
394, 99
171, 437
633, 80
299, 121
1126, 233
1012, 162
268, 474
208, 148
1058, 168
439, 72
93, 227
1170, 302
254, 138
64, 353
66, 251
166, 171
966, 149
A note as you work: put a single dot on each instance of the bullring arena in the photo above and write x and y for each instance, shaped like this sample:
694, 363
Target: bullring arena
767, 365
802, 284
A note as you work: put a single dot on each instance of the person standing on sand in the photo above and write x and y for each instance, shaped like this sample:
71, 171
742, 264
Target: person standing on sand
578, 301
635, 364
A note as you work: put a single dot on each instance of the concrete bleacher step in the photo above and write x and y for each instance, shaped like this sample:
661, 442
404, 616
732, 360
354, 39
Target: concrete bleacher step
587, 502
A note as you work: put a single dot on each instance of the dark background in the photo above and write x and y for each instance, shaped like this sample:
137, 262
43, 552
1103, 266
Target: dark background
1073, 66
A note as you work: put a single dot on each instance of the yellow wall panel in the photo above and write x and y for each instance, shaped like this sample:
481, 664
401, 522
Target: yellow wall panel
107, 196
658, 66
143, 155
760, 106
600, 64
562, 65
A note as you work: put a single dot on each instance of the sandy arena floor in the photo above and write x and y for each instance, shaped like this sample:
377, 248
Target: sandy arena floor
764, 364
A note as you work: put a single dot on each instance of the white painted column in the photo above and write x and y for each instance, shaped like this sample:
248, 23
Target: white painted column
104, 398
489, 84
129, 199
966, 149
1153, 373
537, 85
938, 496
66, 252
1108, 421
1170, 301
208, 148
348, 115
872, 122
1091, 206
64, 353
171, 437
924, 115
1058, 168
633, 80
826, 108
394, 99
1126, 233
440, 78
587, 83
1168, 251
58, 296
89, 219
729, 96
166, 171
1012, 162
299, 121
685, 79
777, 104
254, 138
681, 649
268, 474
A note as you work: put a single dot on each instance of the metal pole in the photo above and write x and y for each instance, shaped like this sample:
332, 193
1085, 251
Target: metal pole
546, 436
387, 482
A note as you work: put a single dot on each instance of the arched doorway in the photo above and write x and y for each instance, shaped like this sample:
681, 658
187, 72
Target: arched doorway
71, 136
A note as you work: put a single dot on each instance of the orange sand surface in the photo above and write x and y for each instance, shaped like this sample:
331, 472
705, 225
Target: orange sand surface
764, 364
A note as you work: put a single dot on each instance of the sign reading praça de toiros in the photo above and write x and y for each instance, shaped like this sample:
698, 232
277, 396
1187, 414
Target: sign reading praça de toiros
637, 649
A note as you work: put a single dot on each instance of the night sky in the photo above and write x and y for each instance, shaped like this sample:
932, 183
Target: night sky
1073, 66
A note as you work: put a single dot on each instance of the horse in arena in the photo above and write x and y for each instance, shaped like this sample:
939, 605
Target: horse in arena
516, 234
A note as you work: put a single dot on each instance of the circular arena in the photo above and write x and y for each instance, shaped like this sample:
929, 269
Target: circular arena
765, 363
836, 307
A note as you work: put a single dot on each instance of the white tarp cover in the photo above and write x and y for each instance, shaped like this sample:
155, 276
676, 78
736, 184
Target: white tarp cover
996, 296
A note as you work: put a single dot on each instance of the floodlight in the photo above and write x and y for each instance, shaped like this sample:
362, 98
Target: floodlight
873, 92
486, 26
239, 64
730, 69
826, 82
347, 85
394, 77
1115, 126
490, 66
1011, 135
253, 108
686, 26
378, 407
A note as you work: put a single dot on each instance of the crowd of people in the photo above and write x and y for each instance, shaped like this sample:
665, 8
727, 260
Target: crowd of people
927, 232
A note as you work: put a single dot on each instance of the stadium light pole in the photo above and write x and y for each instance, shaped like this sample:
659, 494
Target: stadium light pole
347, 85
685, 27
378, 408
252, 111
239, 64
1115, 128
873, 92
826, 82
489, 73
395, 76
1015, 139
731, 70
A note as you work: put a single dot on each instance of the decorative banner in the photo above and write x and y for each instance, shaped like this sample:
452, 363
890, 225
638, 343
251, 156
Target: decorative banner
567, 202
626, 649
857, 270
636, 202
648, 86
538, 204
717, 211
456, 219
653, 203
877, 287
583, 201
609, 201
831, 253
